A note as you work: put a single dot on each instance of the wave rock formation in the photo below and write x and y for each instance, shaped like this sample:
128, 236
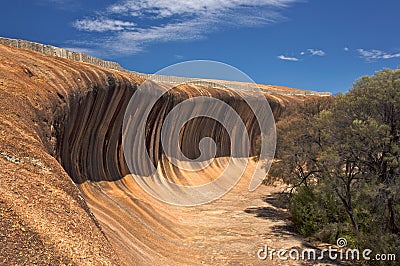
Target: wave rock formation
66, 193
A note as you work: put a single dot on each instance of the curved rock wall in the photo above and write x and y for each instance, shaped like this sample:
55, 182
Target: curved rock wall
61, 121
90, 145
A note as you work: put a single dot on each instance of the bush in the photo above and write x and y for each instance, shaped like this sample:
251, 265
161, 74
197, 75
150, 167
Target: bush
308, 216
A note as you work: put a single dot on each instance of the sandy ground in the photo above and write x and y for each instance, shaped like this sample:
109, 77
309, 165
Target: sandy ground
228, 231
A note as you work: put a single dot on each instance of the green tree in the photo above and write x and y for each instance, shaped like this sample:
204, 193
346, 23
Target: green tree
345, 151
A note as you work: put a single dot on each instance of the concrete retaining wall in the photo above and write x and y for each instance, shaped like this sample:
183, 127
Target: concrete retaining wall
59, 52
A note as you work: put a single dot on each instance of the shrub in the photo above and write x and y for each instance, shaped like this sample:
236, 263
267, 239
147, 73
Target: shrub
308, 216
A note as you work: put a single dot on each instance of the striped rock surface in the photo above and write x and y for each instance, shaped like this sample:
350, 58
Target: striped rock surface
67, 197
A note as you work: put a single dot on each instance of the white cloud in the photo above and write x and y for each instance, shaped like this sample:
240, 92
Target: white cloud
103, 24
171, 20
178, 56
168, 8
128, 42
314, 52
370, 55
346, 49
286, 58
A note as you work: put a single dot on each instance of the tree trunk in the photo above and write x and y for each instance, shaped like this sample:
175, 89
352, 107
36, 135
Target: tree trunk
349, 209
394, 228
353, 220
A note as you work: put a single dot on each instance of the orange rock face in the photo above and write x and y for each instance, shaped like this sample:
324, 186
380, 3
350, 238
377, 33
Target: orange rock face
66, 195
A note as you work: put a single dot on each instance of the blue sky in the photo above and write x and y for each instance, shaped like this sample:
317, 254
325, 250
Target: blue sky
319, 45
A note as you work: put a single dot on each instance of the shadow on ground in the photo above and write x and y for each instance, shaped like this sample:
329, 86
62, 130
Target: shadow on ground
268, 213
278, 211
278, 200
